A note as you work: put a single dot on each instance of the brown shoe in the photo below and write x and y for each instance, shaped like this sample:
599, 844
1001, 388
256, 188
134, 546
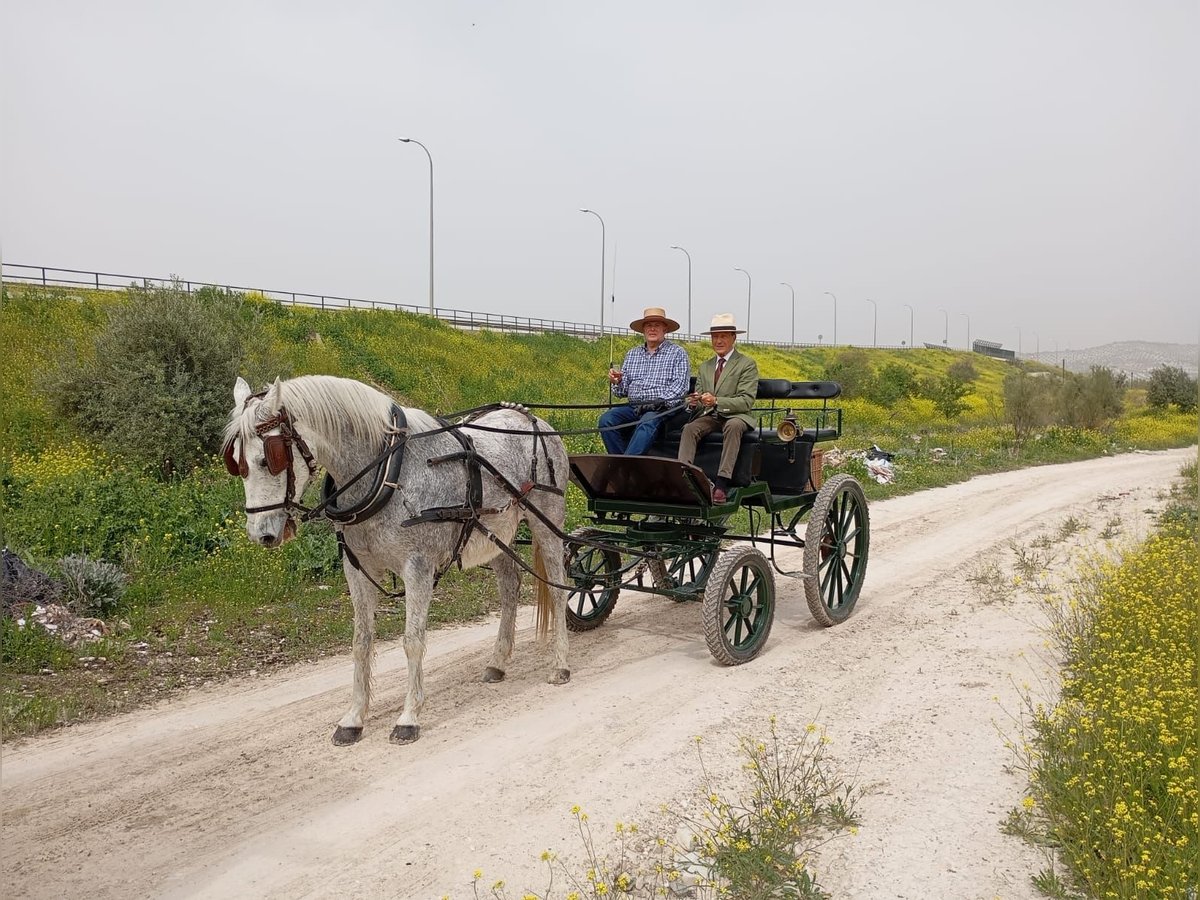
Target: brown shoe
719, 495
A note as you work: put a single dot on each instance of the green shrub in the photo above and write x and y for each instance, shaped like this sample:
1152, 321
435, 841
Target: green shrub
946, 392
1029, 403
155, 386
1171, 385
1092, 400
852, 370
92, 587
891, 384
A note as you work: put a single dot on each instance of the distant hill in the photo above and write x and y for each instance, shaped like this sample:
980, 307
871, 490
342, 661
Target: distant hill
1138, 357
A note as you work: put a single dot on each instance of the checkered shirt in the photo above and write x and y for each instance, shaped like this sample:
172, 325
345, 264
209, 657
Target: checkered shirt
654, 377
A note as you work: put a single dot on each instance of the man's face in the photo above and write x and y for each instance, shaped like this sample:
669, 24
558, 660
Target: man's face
654, 332
722, 342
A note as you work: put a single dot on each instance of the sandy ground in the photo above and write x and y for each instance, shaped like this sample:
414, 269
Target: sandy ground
236, 791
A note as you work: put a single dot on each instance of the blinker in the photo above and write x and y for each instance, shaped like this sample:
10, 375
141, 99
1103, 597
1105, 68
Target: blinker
235, 465
277, 453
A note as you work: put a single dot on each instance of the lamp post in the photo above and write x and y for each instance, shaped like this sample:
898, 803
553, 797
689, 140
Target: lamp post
430, 155
834, 296
749, 287
912, 315
875, 324
793, 290
689, 256
601, 218
1018, 342
1037, 343
968, 318
946, 332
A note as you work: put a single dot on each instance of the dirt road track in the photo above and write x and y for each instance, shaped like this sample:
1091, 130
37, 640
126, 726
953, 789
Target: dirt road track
236, 791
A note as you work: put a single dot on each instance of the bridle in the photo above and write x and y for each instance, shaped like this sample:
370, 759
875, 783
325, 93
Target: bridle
277, 452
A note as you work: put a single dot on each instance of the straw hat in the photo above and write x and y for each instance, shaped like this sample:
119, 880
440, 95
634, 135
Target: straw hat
651, 313
724, 323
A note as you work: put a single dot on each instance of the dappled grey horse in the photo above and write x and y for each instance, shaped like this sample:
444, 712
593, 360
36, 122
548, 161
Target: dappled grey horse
409, 495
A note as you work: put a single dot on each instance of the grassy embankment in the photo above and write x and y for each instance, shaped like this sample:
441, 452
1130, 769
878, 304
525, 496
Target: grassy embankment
202, 603
1113, 761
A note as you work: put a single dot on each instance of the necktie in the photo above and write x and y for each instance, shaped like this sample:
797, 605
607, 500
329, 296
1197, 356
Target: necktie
720, 366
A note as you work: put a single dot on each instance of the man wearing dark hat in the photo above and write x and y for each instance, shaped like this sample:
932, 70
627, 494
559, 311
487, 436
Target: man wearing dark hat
725, 391
654, 377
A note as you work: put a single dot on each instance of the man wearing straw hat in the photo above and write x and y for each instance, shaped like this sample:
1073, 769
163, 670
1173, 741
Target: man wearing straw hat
725, 391
654, 377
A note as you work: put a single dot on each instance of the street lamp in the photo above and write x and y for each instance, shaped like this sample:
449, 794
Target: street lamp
749, 287
430, 155
912, 315
832, 294
689, 256
968, 318
946, 333
1018, 342
793, 290
875, 325
601, 218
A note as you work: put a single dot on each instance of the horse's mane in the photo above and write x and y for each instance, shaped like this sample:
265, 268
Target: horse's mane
337, 408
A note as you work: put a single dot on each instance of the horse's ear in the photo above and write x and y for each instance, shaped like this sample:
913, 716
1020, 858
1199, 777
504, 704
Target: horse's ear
273, 400
241, 392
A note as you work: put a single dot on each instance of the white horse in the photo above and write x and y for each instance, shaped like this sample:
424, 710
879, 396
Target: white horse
415, 511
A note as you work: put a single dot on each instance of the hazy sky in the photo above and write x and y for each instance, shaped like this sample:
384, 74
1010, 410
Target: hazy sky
1029, 164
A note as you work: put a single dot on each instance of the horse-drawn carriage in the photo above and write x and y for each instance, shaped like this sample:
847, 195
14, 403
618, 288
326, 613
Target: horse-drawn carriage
656, 529
413, 494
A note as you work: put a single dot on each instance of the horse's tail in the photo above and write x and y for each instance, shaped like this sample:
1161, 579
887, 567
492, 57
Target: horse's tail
545, 599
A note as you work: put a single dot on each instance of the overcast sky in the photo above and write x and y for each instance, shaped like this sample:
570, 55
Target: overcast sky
1029, 164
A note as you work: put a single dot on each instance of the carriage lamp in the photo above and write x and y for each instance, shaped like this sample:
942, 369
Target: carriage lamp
788, 428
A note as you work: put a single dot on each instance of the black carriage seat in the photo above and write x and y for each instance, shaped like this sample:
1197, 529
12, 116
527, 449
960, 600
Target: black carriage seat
750, 457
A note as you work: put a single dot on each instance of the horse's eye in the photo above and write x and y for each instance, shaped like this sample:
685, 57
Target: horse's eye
261, 462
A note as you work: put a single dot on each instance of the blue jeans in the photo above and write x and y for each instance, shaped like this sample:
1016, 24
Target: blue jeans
632, 442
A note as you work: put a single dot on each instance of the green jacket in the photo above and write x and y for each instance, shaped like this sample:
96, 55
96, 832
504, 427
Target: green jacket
737, 389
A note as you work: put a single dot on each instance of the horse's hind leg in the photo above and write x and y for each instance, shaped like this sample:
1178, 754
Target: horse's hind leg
549, 547
364, 598
418, 586
508, 585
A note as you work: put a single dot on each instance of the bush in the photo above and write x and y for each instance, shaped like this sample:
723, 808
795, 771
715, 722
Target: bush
891, 384
93, 587
947, 392
963, 370
1028, 404
1092, 400
155, 387
1170, 385
852, 370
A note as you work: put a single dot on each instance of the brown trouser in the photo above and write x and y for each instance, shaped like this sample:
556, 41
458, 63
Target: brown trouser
731, 441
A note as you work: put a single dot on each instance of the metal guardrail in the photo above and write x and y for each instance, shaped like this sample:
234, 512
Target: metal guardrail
49, 276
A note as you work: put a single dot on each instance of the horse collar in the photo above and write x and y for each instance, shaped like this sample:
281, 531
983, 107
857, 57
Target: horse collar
387, 471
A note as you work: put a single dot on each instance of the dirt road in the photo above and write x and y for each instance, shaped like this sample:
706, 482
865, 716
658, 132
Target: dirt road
236, 791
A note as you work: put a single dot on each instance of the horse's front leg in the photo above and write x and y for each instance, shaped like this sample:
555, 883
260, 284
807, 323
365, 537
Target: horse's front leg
365, 598
418, 587
508, 586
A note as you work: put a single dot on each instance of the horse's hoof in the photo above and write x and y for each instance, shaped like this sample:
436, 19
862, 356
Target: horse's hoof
560, 676
491, 675
405, 734
344, 737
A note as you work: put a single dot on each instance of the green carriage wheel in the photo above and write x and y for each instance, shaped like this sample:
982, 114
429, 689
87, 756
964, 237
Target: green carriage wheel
596, 576
835, 550
739, 605
681, 573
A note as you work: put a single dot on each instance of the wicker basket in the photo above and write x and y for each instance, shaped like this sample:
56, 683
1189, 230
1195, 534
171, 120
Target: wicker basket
816, 463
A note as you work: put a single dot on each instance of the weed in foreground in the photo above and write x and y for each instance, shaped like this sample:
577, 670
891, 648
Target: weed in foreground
760, 844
